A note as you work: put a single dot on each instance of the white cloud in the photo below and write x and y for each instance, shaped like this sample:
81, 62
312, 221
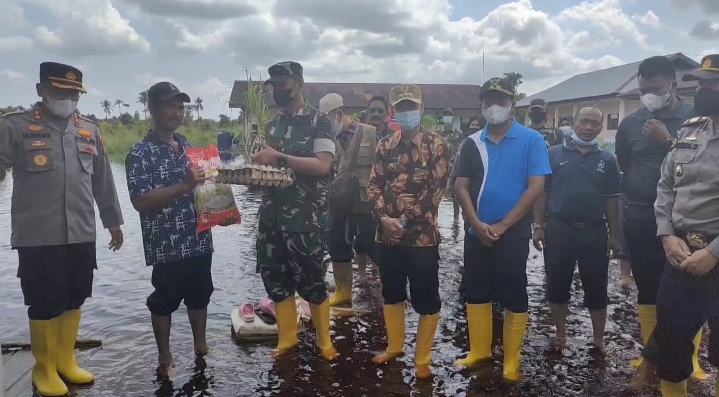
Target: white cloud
96, 31
14, 43
649, 19
147, 80
13, 76
12, 17
608, 16
95, 92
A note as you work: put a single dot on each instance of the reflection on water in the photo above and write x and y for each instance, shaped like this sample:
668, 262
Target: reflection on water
124, 366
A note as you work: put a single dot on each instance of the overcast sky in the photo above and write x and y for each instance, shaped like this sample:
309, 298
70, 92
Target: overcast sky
124, 46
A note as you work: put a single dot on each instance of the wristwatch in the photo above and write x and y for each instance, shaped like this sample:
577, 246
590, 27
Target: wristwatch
536, 226
669, 143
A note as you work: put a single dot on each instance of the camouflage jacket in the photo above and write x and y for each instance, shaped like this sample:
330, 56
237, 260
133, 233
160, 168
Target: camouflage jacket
408, 182
552, 136
301, 207
453, 138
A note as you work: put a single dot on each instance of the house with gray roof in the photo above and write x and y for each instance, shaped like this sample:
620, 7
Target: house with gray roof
613, 90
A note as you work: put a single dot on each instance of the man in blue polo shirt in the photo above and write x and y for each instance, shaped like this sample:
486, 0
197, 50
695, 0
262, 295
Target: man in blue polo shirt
581, 197
500, 174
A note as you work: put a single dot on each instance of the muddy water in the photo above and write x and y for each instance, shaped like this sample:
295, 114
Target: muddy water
124, 365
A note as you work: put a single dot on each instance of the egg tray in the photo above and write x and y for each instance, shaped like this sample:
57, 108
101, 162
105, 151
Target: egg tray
254, 175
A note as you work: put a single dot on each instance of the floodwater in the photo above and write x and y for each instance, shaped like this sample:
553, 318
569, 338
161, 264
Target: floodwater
124, 366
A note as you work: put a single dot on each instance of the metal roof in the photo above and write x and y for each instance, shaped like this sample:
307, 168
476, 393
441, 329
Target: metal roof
683, 87
602, 83
356, 95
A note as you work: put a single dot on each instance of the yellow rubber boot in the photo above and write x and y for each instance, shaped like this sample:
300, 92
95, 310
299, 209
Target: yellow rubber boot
423, 349
515, 325
321, 321
647, 322
716, 387
286, 326
479, 324
342, 272
43, 341
394, 324
698, 373
68, 326
670, 389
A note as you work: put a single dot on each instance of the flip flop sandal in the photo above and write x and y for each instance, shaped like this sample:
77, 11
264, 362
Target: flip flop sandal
247, 312
265, 317
268, 306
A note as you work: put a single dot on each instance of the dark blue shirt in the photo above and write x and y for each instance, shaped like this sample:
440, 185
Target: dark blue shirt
169, 233
580, 182
508, 165
640, 158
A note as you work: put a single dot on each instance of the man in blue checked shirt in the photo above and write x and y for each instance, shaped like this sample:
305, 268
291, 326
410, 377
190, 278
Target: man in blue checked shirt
161, 182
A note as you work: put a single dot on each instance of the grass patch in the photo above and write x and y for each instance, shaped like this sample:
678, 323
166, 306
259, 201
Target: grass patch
119, 137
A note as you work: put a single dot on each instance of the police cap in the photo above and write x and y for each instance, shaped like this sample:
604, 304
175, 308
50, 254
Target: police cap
709, 69
61, 76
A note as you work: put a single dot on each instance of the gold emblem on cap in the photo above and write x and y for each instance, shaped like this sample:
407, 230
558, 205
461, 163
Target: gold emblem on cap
40, 160
71, 76
707, 63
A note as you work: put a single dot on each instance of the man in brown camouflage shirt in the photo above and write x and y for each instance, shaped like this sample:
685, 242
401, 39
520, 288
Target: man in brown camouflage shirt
408, 181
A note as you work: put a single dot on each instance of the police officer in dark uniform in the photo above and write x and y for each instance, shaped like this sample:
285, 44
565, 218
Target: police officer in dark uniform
581, 197
687, 213
60, 170
538, 117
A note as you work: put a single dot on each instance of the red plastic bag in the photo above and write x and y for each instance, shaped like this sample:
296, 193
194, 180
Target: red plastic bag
214, 202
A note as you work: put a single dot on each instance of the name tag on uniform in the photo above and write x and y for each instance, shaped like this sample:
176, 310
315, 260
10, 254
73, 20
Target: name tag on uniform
87, 148
38, 144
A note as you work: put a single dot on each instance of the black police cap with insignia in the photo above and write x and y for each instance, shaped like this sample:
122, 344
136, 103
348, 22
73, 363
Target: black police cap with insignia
709, 69
499, 85
279, 72
61, 76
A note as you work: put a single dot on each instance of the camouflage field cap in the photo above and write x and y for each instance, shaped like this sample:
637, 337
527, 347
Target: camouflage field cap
539, 104
708, 71
279, 72
405, 92
61, 76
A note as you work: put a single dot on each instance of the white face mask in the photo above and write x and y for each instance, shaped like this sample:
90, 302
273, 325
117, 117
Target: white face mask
336, 127
566, 131
61, 107
656, 102
496, 114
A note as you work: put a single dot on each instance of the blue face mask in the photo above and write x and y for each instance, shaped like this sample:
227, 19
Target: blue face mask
447, 120
408, 120
580, 142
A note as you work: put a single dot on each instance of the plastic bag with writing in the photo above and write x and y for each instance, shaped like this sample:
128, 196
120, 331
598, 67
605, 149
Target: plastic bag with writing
214, 202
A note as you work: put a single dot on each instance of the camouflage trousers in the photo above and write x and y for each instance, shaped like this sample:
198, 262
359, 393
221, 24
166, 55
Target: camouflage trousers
290, 262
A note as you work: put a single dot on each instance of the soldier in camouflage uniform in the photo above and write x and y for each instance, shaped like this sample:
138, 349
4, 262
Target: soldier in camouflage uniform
292, 220
454, 138
538, 116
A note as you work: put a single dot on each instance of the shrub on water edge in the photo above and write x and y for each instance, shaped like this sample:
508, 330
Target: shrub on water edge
119, 138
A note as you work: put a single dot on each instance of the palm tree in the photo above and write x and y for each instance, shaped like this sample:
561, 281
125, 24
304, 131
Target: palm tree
106, 107
119, 103
144, 100
188, 112
198, 106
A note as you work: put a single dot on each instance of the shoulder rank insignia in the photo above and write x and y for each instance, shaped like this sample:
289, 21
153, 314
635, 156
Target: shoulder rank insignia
695, 120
